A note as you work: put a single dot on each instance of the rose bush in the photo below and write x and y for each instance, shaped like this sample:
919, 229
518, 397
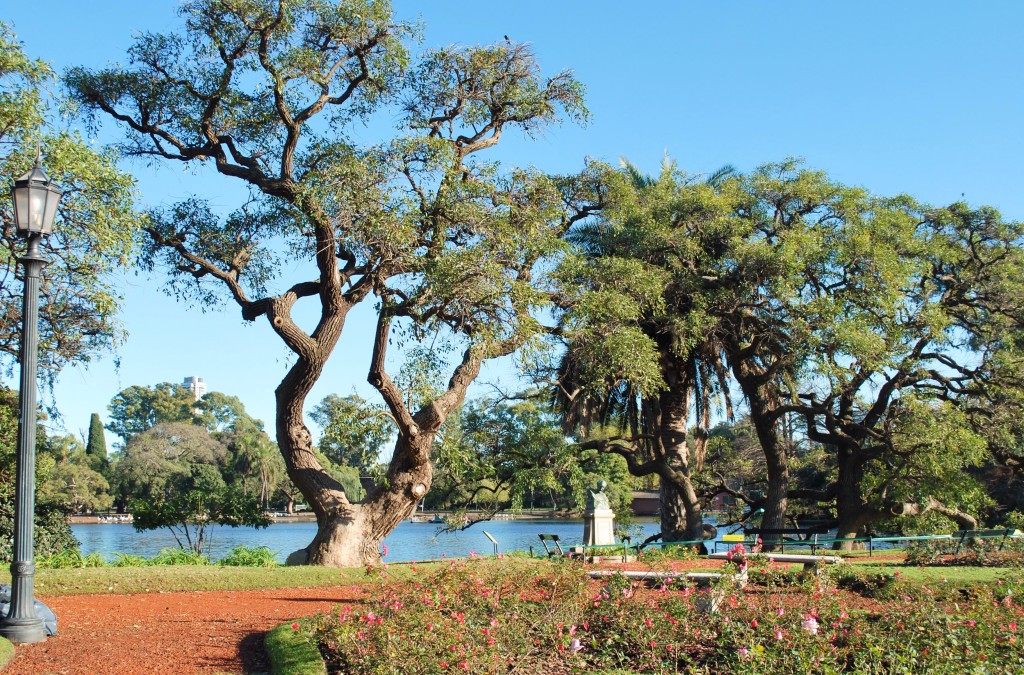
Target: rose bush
522, 616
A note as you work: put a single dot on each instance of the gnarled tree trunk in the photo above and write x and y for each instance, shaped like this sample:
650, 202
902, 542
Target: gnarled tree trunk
352, 537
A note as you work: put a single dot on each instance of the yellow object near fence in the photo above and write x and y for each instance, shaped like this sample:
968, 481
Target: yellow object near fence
732, 537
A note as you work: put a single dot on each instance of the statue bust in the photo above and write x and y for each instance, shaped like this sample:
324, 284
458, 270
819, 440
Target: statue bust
598, 500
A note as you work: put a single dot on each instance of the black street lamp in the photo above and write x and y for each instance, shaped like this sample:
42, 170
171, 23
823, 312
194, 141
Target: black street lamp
35, 205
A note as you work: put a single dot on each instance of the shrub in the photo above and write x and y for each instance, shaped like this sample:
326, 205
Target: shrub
129, 560
244, 556
472, 615
179, 556
992, 552
52, 534
484, 617
669, 552
71, 559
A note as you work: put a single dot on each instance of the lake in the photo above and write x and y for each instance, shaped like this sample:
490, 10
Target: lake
409, 541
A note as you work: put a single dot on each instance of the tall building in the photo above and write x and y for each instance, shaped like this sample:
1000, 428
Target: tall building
196, 386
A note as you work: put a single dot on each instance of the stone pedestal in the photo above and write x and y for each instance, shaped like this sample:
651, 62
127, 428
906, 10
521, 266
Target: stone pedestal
597, 527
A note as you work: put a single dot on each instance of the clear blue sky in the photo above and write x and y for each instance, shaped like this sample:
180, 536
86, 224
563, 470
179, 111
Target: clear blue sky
918, 97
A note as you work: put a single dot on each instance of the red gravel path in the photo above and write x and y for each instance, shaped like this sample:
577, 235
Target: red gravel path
201, 632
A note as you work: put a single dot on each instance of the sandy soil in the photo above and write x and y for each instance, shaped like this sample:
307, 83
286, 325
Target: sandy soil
200, 632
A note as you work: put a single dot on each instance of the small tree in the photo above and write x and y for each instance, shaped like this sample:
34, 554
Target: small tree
174, 477
193, 501
96, 447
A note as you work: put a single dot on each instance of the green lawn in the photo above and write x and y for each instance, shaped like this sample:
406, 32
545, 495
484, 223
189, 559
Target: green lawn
129, 580
953, 575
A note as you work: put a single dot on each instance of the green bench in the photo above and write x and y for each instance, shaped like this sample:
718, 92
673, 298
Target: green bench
966, 535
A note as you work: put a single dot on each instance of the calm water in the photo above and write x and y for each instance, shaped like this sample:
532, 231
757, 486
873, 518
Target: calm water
410, 541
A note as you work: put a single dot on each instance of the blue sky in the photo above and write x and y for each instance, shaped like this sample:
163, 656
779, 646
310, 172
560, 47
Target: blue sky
918, 97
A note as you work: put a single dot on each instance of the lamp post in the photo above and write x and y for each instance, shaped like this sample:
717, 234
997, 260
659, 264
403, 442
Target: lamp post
35, 205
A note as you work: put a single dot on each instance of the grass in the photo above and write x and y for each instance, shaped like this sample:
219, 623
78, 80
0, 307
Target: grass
181, 578
291, 652
6, 652
952, 575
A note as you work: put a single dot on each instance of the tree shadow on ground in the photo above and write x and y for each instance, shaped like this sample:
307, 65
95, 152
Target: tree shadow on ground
253, 655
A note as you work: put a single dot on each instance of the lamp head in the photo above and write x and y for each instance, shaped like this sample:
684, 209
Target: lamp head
35, 202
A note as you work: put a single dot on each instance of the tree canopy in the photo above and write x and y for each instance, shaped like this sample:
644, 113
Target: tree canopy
93, 234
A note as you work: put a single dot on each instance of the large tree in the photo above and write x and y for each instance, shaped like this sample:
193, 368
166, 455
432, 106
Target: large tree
268, 93
93, 233
923, 308
138, 408
639, 296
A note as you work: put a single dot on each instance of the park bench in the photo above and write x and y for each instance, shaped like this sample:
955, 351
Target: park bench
553, 538
698, 578
808, 561
966, 535
784, 535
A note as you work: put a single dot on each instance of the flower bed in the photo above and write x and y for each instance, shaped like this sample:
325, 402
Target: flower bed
538, 617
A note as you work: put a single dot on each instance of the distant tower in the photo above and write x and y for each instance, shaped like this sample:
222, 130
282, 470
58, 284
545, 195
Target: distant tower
196, 386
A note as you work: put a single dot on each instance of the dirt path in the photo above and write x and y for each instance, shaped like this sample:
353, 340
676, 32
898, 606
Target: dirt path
201, 632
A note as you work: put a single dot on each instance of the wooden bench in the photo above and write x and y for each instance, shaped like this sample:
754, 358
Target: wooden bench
808, 561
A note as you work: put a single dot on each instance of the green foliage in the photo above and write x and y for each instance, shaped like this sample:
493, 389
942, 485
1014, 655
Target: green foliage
353, 432
245, 556
497, 455
71, 559
548, 618
52, 532
975, 552
96, 447
475, 614
174, 477
129, 560
138, 409
94, 229
855, 317
179, 556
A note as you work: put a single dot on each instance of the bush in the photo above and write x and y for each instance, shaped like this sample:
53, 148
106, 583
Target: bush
244, 556
71, 559
52, 533
483, 617
179, 556
993, 552
472, 615
129, 560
